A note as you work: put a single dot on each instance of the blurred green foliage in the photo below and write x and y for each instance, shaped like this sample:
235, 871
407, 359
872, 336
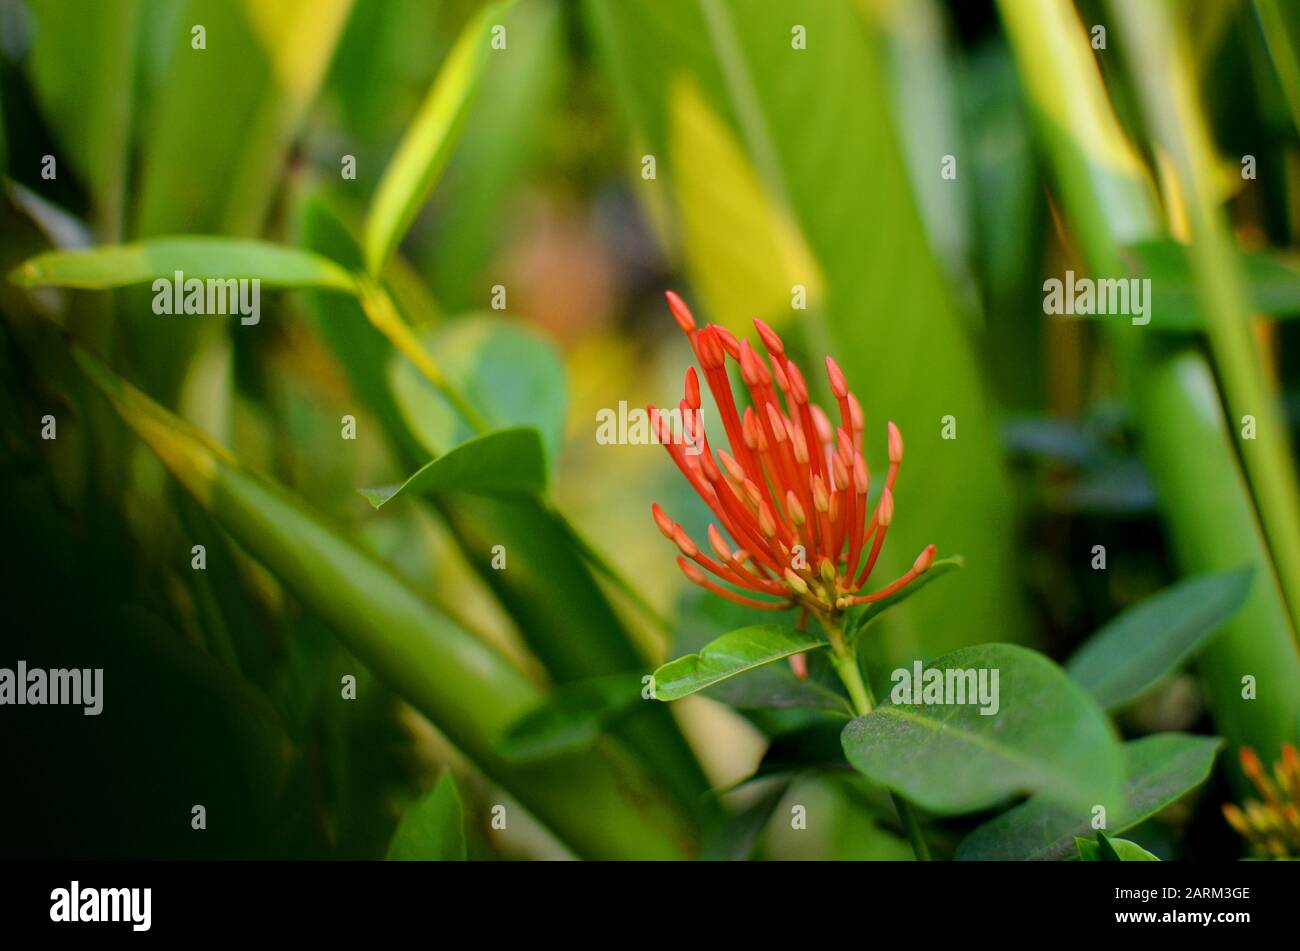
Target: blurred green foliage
782, 174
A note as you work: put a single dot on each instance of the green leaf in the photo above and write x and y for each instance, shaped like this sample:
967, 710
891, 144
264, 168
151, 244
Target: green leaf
119, 265
1160, 769
428, 143
215, 137
1122, 850
1047, 736
1089, 850
505, 462
873, 611
735, 838
511, 374
731, 654
1135, 650
1106, 849
572, 717
82, 65
432, 830
1272, 282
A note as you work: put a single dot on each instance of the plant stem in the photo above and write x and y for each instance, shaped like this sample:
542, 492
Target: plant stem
845, 661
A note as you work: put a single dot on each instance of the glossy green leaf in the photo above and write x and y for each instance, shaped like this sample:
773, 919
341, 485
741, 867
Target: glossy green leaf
428, 144
121, 265
873, 611
432, 830
1122, 850
1160, 769
1047, 736
1106, 849
505, 462
600, 802
510, 373
1145, 643
729, 655
572, 716
1272, 282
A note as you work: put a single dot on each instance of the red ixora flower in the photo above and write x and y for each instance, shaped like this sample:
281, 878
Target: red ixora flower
791, 496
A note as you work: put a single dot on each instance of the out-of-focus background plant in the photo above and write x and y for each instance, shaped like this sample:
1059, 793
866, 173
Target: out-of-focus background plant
888, 181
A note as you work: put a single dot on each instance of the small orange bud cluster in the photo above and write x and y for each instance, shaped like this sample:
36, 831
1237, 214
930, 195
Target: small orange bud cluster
1271, 826
792, 494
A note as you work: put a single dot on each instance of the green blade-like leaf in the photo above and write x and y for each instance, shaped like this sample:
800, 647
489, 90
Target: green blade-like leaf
120, 265
601, 802
572, 717
506, 462
1272, 282
1146, 642
872, 611
1160, 770
433, 829
82, 68
729, 655
429, 142
1046, 736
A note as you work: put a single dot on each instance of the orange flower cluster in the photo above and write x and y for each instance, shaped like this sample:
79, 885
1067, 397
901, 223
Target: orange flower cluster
1272, 827
791, 495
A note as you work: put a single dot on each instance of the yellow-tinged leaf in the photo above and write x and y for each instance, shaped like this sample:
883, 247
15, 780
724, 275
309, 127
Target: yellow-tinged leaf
743, 250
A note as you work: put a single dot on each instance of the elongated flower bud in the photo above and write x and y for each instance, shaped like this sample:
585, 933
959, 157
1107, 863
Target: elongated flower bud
861, 477
664, 523
684, 542
727, 340
771, 341
895, 444
692, 388
681, 313
690, 571
839, 385
821, 498
794, 509
840, 473
798, 386
777, 423
734, 470
885, 511
719, 546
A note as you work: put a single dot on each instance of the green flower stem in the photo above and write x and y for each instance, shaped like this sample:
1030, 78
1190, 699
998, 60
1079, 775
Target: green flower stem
383, 314
844, 658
